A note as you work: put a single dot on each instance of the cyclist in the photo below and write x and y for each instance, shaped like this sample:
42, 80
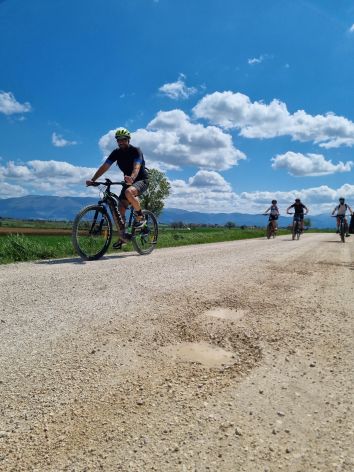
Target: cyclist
341, 210
130, 161
273, 214
299, 213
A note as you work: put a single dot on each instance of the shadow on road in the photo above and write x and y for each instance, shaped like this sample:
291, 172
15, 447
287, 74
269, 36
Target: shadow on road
78, 260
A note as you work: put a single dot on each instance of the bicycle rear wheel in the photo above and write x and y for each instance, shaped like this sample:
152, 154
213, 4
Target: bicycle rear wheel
92, 232
144, 240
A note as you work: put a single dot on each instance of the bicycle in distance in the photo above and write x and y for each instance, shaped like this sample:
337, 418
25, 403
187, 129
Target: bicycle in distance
93, 227
297, 230
342, 227
272, 228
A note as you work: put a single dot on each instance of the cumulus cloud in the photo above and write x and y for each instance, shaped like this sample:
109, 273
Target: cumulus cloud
205, 192
318, 199
308, 165
178, 90
50, 177
59, 141
10, 106
259, 120
172, 139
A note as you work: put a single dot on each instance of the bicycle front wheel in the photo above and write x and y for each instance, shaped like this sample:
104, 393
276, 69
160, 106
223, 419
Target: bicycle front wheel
144, 240
342, 232
92, 232
269, 230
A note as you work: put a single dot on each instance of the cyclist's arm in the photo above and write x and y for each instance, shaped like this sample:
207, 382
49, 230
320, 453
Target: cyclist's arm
100, 171
351, 211
291, 206
335, 209
130, 179
306, 210
267, 210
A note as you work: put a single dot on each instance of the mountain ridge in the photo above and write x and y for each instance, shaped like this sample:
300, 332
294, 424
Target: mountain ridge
65, 208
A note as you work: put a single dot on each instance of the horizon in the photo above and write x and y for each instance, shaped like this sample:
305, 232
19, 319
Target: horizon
233, 105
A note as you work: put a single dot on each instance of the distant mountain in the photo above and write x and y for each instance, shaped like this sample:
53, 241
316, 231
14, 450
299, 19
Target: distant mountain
65, 208
43, 207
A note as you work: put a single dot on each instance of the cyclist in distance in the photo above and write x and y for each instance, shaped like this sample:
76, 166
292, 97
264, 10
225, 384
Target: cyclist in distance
273, 214
341, 210
130, 161
299, 213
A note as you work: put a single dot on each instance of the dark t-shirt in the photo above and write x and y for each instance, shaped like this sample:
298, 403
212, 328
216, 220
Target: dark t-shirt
298, 208
126, 159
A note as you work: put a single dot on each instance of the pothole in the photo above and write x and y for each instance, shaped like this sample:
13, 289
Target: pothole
205, 354
226, 313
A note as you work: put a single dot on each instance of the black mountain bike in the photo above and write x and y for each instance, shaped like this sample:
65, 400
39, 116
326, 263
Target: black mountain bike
93, 229
296, 232
343, 228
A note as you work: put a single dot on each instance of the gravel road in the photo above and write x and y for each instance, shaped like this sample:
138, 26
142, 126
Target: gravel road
235, 356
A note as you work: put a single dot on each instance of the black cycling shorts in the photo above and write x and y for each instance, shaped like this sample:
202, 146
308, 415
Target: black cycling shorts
299, 217
273, 217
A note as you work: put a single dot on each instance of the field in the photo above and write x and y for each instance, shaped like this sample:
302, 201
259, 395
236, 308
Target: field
33, 240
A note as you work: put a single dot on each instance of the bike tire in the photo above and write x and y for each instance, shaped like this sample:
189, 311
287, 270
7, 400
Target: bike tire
144, 240
342, 232
269, 231
92, 232
295, 229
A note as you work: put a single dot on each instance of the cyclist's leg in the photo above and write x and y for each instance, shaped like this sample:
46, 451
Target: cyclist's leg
338, 224
132, 193
275, 223
302, 223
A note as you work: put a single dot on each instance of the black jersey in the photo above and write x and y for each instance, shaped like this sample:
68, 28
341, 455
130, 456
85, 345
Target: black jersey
298, 208
126, 160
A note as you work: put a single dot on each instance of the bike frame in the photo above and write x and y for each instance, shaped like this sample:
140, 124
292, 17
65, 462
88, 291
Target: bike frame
111, 200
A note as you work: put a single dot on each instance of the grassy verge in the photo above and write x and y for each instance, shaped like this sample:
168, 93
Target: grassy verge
26, 247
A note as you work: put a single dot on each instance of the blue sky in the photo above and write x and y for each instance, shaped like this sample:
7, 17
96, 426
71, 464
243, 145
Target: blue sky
238, 102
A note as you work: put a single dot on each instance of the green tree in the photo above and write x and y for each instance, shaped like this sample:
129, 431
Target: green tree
158, 191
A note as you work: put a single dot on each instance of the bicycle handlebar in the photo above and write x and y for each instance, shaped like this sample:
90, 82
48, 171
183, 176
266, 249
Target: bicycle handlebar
107, 183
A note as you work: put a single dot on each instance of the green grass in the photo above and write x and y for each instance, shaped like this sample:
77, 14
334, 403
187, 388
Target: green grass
17, 247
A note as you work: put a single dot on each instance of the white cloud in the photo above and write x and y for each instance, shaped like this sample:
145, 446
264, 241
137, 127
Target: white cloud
172, 140
10, 106
318, 199
351, 29
256, 60
59, 141
260, 120
9, 191
308, 165
205, 192
49, 177
178, 90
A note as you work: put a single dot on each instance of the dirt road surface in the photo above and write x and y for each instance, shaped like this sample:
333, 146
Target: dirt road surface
235, 357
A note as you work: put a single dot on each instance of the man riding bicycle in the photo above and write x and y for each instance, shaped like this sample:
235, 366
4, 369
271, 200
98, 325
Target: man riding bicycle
341, 211
299, 213
273, 214
130, 161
